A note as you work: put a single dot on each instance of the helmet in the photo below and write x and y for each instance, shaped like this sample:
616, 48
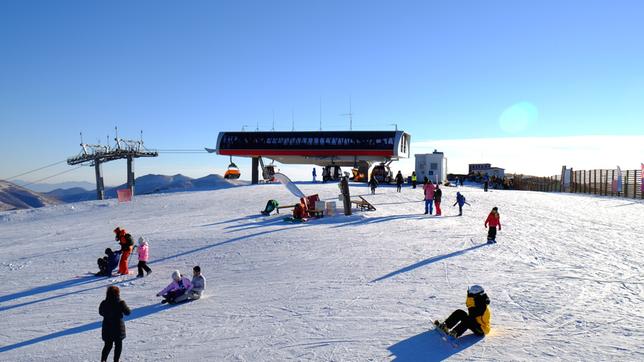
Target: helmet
176, 276
475, 289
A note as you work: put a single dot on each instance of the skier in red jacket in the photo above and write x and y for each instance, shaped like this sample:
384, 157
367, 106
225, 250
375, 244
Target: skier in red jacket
493, 220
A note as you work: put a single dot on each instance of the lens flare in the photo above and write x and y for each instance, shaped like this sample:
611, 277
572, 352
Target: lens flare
518, 117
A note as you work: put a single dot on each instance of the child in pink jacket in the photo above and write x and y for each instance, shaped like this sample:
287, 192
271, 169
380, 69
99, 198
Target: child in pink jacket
143, 258
177, 288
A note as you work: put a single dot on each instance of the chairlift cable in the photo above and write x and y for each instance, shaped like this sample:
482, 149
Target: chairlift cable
34, 170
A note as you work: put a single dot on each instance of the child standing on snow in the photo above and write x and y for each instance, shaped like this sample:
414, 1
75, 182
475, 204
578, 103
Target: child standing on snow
460, 200
493, 220
438, 195
476, 319
143, 249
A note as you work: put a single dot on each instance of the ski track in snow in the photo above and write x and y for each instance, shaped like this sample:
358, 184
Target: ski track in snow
564, 279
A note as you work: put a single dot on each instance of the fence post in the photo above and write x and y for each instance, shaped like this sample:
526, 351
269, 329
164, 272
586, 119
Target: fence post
602, 184
626, 184
612, 181
634, 184
594, 182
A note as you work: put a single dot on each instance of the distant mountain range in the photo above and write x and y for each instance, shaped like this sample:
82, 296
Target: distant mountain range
46, 187
13, 196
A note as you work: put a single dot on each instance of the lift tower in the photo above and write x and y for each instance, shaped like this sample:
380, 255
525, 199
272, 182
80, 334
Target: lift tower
96, 155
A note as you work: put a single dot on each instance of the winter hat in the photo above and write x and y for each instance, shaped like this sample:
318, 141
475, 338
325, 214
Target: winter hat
142, 241
475, 289
176, 276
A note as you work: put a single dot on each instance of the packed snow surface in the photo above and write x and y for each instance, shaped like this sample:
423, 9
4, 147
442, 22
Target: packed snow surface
565, 279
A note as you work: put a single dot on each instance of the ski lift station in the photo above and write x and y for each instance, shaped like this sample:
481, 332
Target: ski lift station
431, 165
329, 149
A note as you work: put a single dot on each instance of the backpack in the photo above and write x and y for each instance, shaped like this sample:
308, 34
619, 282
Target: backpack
129, 242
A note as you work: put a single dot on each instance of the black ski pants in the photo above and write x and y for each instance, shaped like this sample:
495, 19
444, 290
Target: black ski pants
143, 265
118, 346
491, 233
461, 321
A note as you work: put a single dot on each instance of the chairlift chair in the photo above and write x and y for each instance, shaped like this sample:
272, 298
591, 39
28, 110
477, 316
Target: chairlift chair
232, 173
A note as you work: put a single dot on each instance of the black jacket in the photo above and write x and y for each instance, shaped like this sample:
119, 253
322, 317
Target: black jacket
437, 195
113, 325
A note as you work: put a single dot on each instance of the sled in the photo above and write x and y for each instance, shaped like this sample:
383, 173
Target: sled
363, 204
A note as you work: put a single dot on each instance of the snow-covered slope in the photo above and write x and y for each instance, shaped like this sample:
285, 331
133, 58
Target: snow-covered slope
13, 197
565, 278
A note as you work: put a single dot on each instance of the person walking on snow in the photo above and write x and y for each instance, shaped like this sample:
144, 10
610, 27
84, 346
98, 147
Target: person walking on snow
438, 194
197, 288
460, 200
314, 174
476, 319
126, 242
143, 250
494, 221
414, 179
175, 289
113, 328
429, 189
399, 181
373, 183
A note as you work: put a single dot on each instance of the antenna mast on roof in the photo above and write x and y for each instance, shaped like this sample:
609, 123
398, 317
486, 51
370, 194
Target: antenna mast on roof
350, 114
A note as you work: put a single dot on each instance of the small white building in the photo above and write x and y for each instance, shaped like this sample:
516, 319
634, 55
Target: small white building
494, 171
431, 165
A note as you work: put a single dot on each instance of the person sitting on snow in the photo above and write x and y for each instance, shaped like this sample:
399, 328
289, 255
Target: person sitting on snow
476, 319
107, 263
299, 211
270, 206
175, 289
197, 288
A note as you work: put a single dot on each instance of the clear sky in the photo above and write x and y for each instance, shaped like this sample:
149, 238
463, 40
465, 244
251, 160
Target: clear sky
183, 71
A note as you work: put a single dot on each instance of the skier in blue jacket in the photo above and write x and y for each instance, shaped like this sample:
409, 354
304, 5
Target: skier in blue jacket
460, 200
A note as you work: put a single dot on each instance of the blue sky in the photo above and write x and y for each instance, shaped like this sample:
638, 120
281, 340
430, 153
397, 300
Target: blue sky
182, 72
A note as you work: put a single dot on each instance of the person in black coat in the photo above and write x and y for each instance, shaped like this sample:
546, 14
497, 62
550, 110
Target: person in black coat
113, 331
399, 181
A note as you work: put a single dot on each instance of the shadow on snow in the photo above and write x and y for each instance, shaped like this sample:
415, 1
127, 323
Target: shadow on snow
51, 287
427, 262
428, 346
136, 313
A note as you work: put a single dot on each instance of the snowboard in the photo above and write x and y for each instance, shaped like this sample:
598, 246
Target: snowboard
444, 336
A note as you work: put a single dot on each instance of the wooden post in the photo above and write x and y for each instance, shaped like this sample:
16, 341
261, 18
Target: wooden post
595, 182
626, 184
346, 197
634, 184
585, 180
